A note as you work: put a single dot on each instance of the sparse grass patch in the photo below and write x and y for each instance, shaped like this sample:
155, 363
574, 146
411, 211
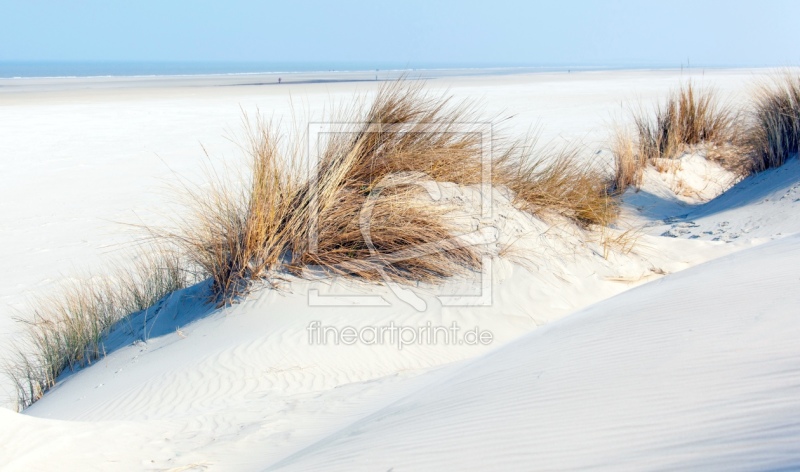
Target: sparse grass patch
68, 326
774, 131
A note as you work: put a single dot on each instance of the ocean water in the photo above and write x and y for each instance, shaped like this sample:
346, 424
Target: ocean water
18, 69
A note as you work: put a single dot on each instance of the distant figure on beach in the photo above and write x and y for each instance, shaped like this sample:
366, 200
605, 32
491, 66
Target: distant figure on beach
279, 80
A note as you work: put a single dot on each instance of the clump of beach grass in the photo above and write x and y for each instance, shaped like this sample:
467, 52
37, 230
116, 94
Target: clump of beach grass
629, 161
556, 180
379, 158
688, 120
237, 230
380, 164
67, 327
773, 134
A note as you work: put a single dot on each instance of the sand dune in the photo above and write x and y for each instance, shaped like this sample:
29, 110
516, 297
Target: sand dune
678, 353
695, 371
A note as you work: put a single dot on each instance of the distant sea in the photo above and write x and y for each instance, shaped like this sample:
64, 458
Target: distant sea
127, 69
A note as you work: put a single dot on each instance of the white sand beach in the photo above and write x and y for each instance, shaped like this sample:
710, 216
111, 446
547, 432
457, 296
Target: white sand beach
677, 351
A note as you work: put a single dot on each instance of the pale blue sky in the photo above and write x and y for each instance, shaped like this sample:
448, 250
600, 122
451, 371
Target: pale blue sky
624, 32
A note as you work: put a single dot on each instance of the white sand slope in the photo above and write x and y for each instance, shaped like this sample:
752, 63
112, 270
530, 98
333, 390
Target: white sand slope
244, 386
764, 205
697, 371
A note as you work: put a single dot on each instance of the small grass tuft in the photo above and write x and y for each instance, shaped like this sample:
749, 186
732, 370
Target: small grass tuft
629, 161
687, 118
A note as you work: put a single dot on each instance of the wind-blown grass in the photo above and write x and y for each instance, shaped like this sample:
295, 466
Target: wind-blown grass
236, 231
279, 221
402, 139
68, 326
557, 181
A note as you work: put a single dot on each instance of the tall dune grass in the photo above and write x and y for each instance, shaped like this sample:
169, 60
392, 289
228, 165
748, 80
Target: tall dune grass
774, 132
280, 221
405, 136
557, 181
629, 161
68, 326
688, 119
236, 231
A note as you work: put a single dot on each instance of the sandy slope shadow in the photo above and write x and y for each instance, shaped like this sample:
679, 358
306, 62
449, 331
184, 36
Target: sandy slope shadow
754, 189
777, 183
657, 208
167, 316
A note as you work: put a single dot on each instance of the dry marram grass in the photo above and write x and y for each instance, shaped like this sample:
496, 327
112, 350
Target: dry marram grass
382, 160
689, 119
558, 181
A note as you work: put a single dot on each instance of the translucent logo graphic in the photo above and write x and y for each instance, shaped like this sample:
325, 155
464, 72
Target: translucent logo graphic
482, 209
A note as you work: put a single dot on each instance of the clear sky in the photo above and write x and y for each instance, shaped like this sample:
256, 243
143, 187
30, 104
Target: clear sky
624, 32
